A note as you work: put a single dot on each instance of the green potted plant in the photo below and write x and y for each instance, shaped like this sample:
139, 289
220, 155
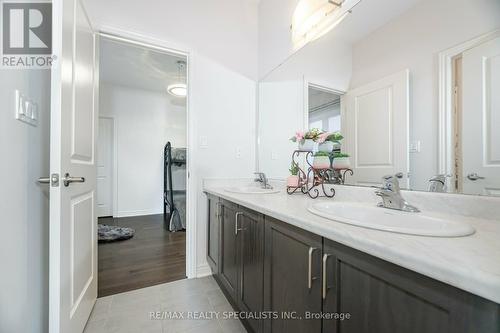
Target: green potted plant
341, 161
321, 160
307, 139
293, 179
327, 141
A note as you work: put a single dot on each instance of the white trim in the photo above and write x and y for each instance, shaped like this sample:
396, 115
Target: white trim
446, 153
114, 167
257, 127
203, 270
136, 38
130, 213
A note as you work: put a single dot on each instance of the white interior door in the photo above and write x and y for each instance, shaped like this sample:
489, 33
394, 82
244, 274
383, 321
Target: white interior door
105, 167
73, 243
375, 127
481, 119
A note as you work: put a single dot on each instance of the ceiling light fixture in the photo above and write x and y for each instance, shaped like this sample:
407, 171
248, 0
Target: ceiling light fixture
178, 89
314, 18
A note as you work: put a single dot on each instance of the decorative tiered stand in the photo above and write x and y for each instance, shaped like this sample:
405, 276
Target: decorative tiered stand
312, 182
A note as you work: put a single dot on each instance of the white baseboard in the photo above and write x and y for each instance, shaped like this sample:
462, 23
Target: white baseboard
137, 213
203, 270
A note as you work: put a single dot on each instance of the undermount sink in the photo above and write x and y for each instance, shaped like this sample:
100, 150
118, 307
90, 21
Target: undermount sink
390, 220
251, 190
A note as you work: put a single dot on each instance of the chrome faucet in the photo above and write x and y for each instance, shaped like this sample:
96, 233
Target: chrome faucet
438, 183
261, 178
391, 194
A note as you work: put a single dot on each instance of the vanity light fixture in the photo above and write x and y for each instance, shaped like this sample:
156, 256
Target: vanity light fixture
314, 18
178, 89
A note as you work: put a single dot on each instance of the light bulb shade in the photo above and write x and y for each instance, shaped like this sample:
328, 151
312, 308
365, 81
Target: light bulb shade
314, 18
177, 89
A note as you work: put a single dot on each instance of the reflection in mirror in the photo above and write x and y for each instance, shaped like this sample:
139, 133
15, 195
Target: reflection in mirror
421, 83
323, 109
475, 118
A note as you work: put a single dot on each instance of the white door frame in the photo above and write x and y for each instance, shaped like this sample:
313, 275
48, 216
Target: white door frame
114, 167
446, 119
138, 39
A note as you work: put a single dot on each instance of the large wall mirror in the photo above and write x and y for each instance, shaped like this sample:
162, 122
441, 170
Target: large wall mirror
417, 93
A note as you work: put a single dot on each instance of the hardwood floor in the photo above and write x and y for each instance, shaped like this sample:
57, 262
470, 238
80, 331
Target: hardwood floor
153, 256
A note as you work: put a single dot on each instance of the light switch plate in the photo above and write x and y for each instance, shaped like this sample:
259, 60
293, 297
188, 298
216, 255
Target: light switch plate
26, 109
415, 146
203, 142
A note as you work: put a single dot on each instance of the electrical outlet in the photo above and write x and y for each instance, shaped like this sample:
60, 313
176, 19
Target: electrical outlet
238, 152
26, 109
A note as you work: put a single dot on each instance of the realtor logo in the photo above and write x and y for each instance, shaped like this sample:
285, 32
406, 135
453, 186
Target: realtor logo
26, 34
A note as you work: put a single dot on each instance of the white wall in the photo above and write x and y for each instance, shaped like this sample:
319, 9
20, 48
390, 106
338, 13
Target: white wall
222, 110
275, 43
143, 121
281, 113
24, 239
413, 41
221, 38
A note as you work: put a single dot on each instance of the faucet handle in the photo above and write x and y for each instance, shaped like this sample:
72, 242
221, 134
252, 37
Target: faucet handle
261, 177
390, 182
440, 178
398, 175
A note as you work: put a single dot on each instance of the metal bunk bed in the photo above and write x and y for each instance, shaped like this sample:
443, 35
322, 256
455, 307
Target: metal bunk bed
174, 200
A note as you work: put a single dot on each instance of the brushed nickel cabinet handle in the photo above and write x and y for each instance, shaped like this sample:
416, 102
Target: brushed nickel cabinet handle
325, 275
218, 210
236, 229
310, 278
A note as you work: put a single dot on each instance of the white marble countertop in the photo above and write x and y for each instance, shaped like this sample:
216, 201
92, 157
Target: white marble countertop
470, 263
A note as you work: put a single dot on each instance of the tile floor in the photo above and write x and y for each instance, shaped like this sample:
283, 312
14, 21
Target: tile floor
131, 311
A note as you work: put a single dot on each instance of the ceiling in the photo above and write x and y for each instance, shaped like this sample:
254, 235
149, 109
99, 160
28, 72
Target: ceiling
319, 97
369, 15
138, 67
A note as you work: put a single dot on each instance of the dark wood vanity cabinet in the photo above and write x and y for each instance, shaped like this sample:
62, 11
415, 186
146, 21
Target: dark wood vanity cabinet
240, 271
292, 284
269, 265
213, 231
251, 266
229, 249
383, 297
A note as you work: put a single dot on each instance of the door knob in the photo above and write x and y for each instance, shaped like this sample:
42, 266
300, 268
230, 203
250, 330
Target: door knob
68, 180
52, 180
474, 176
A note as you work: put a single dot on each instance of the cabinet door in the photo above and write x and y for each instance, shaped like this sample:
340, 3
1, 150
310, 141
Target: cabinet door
229, 263
251, 273
384, 298
213, 230
292, 280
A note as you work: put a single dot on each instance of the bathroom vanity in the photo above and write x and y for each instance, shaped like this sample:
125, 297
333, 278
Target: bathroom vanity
272, 257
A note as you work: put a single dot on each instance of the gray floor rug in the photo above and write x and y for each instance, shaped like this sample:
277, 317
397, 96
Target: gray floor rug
111, 233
